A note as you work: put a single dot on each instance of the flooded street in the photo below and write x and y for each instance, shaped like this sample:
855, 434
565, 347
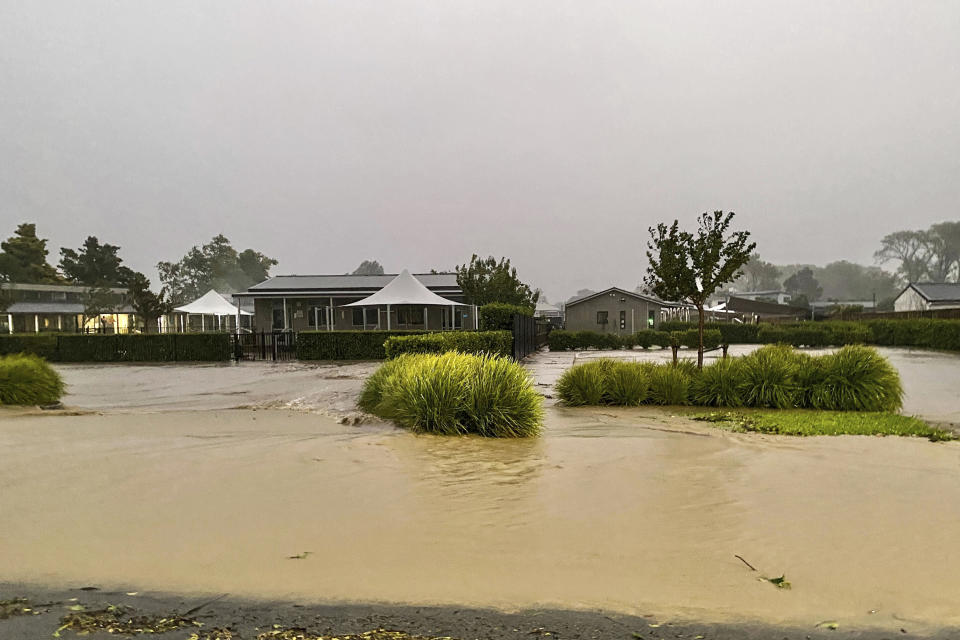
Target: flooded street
627, 510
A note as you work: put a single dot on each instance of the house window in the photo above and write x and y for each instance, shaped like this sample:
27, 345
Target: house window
623, 319
650, 318
601, 317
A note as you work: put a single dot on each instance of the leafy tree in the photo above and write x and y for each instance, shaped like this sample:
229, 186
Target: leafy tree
943, 251
215, 265
148, 305
688, 266
802, 283
485, 280
23, 258
95, 264
369, 268
759, 275
842, 280
909, 248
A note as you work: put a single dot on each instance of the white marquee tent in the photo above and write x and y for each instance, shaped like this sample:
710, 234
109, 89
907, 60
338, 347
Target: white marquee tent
406, 290
211, 304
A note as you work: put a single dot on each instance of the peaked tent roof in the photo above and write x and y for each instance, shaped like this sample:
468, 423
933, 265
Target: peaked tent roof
211, 304
404, 289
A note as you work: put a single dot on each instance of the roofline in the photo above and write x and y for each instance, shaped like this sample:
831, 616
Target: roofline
336, 293
623, 291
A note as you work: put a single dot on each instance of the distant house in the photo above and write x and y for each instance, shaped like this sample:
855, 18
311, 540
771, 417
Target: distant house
613, 310
754, 310
927, 296
777, 296
38, 308
549, 313
320, 303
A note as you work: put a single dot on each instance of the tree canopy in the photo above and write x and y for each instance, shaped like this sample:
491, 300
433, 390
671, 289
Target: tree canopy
803, 285
686, 266
215, 265
95, 264
148, 305
486, 280
23, 258
759, 275
369, 268
932, 254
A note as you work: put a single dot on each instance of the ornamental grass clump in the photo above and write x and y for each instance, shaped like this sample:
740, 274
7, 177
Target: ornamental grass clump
857, 378
627, 384
454, 394
718, 384
670, 384
769, 377
28, 380
584, 384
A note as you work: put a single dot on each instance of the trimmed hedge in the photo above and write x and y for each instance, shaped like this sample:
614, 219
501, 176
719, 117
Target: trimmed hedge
559, 340
927, 333
153, 347
498, 316
345, 345
498, 343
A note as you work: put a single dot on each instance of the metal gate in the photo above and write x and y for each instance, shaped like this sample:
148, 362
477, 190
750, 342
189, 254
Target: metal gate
529, 335
265, 345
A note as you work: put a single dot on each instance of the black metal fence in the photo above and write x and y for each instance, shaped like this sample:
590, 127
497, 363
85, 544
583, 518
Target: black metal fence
529, 335
265, 345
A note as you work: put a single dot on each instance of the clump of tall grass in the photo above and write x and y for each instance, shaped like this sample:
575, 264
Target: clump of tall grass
27, 379
768, 377
857, 378
670, 384
584, 384
455, 393
718, 385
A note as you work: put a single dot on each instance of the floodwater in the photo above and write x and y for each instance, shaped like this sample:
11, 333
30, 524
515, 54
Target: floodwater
629, 510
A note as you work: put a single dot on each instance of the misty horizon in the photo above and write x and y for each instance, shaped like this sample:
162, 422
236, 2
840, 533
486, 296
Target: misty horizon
418, 134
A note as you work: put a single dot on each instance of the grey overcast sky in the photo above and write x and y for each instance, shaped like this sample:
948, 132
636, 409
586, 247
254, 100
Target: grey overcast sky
416, 133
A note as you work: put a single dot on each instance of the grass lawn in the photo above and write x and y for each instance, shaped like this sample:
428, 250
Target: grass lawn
807, 422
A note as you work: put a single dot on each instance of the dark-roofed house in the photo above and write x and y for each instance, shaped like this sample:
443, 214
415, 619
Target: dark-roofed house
311, 303
613, 310
60, 307
926, 296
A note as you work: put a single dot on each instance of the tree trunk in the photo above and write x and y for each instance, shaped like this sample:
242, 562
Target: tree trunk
700, 342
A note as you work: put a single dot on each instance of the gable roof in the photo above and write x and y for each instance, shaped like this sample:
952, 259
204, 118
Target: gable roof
211, 304
404, 289
349, 285
936, 291
618, 291
747, 305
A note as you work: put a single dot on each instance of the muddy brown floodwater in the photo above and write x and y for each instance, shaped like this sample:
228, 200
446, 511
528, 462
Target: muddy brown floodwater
628, 510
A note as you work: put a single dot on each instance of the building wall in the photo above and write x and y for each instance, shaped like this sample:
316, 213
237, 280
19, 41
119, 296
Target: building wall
300, 316
910, 300
582, 316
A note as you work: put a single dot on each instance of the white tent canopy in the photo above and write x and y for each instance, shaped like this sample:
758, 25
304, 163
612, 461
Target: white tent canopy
211, 304
404, 289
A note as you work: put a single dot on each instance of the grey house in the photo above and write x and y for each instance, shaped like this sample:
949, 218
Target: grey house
614, 310
38, 308
318, 303
927, 296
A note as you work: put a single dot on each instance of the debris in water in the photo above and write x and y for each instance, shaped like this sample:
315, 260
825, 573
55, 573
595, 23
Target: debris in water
779, 583
300, 633
16, 607
300, 556
216, 633
828, 624
115, 619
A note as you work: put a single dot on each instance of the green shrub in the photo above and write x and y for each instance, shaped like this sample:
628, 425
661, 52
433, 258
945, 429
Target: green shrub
718, 384
345, 345
153, 347
493, 342
857, 378
584, 384
559, 340
690, 338
498, 316
454, 393
627, 384
27, 379
768, 377
730, 332
669, 384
